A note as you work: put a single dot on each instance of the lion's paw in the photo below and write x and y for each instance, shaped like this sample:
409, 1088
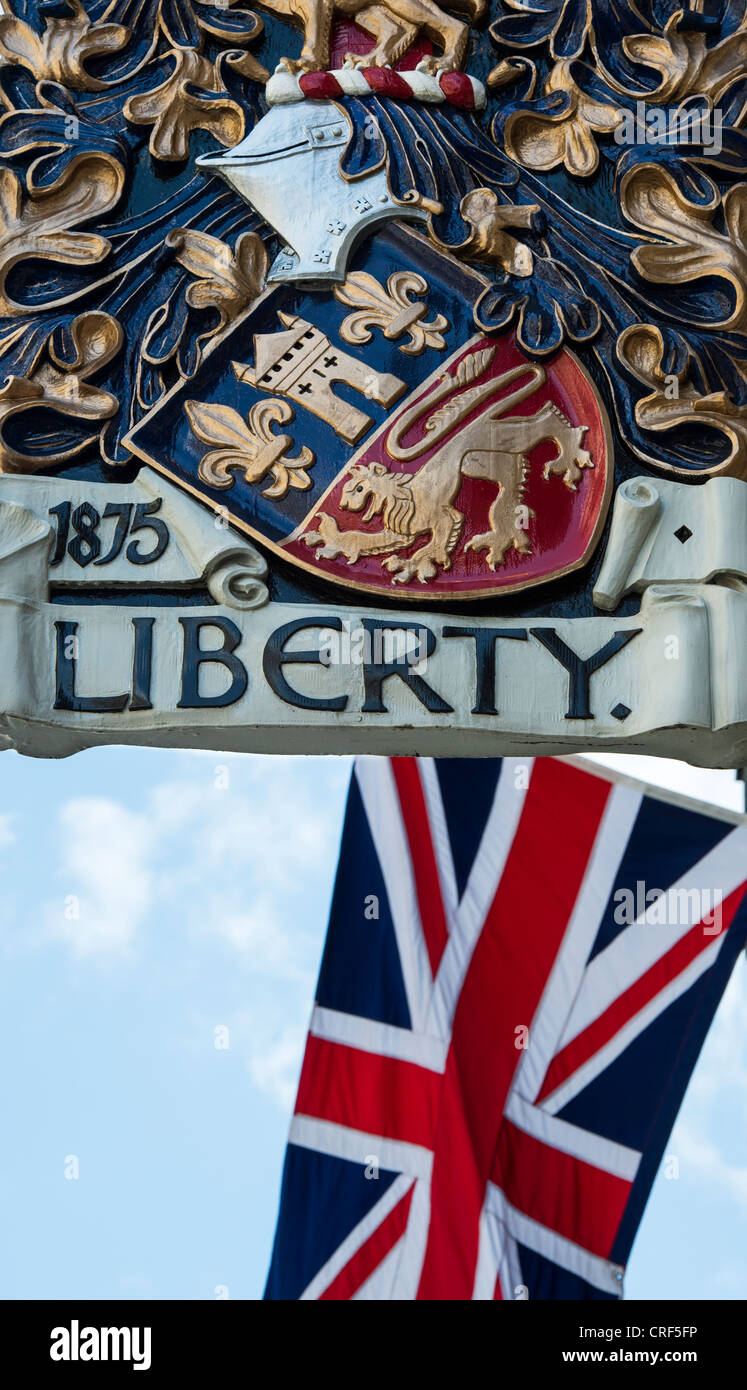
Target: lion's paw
403, 571
298, 66
374, 59
496, 548
332, 541
447, 62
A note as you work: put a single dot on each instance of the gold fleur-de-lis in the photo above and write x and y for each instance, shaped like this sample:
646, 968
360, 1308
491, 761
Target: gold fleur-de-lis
390, 309
249, 446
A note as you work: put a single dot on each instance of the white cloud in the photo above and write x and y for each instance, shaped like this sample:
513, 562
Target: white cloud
728, 1281
699, 1155
232, 861
105, 876
274, 1068
244, 867
258, 933
712, 1124
7, 833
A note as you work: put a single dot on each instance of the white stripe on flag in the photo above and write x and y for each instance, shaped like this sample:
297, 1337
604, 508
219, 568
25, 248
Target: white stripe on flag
439, 837
382, 1039
642, 944
565, 978
381, 804
358, 1237
606, 1055
571, 1139
378, 1287
479, 893
601, 1274
339, 1141
490, 1245
414, 1245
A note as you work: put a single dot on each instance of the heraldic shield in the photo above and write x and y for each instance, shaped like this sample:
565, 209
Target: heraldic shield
365, 431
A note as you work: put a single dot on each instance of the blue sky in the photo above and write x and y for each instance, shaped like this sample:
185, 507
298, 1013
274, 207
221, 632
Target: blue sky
152, 898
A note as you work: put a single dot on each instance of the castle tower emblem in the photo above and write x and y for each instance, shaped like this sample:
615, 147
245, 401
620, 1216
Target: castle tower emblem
303, 365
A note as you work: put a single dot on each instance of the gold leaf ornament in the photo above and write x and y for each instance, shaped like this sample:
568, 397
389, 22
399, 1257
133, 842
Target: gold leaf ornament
390, 309
694, 248
489, 240
208, 21
176, 108
546, 141
227, 279
42, 225
673, 400
64, 387
62, 50
249, 446
687, 67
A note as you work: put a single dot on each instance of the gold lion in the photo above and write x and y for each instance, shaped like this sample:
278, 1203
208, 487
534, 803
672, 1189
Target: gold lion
394, 24
422, 503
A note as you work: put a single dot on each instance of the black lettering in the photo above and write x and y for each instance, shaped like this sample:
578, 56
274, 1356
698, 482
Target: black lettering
581, 669
144, 520
485, 639
195, 656
142, 663
65, 674
123, 512
275, 657
376, 672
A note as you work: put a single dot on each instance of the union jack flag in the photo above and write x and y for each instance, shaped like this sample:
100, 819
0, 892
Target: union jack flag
499, 1047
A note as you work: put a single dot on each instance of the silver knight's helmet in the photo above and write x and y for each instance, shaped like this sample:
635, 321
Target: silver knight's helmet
288, 168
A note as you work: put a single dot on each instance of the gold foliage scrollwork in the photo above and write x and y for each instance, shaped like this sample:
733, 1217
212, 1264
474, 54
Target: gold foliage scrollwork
686, 65
489, 240
63, 387
250, 447
61, 51
540, 141
694, 248
176, 108
390, 309
226, 279
41, 226
206, 17
673, 400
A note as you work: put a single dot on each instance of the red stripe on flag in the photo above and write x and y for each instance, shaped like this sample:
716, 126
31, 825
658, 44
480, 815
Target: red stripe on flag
371, 1253
574, 1198
625, 1007
422, 854
378, 1095
507, 976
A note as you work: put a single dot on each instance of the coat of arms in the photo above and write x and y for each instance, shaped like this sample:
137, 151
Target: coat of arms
395, 288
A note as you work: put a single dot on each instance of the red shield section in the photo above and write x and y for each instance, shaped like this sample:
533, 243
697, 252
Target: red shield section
493, 496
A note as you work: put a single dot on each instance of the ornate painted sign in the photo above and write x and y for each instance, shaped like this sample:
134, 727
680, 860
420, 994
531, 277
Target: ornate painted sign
328, 337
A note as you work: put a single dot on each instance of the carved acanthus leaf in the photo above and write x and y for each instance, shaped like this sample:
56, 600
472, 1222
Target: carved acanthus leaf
63, 386
226, 279
540, 140
489, 240
192, 98
41, 226
250, 447
652, 200
61, 51
673, 400
181, 20
687, 66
